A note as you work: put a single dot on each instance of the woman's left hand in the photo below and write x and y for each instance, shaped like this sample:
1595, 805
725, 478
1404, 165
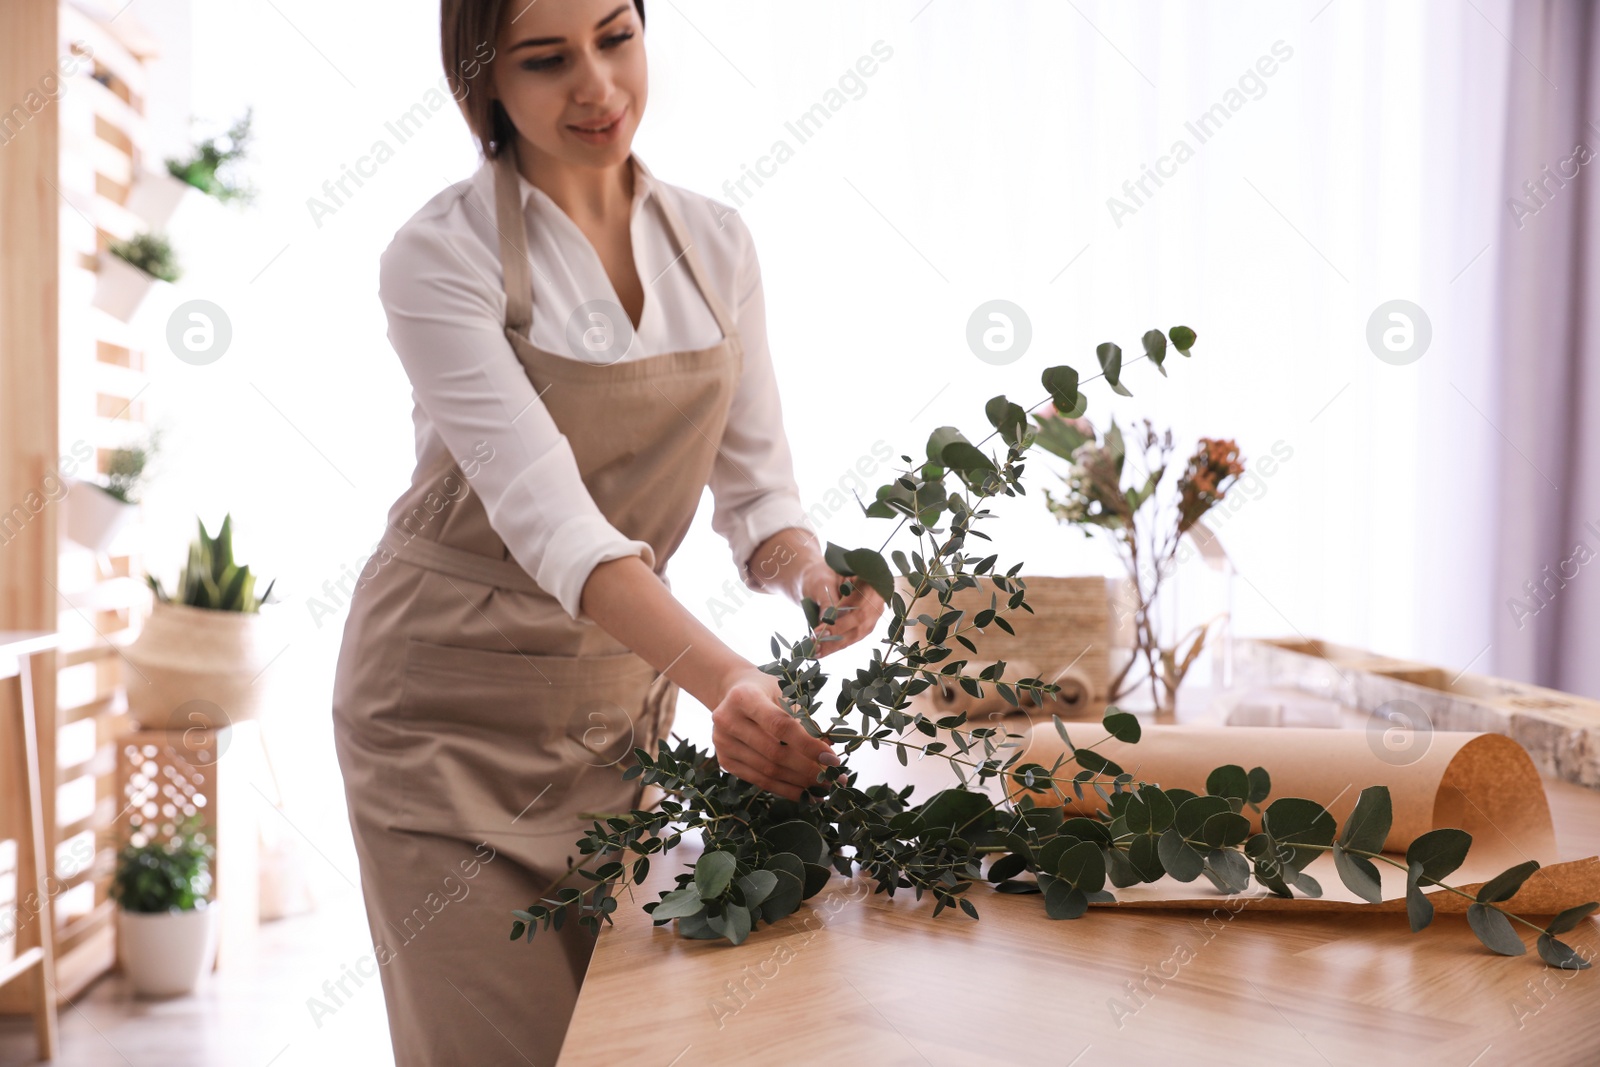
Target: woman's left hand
821, 583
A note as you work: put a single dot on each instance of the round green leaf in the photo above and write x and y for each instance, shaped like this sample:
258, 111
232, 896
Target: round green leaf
1083, 867
788, 889
1180, 861
1123, 726
1228, 781
712, 874
1439, 851
798, 837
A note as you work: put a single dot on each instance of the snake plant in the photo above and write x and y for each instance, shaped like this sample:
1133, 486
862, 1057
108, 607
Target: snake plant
212, 579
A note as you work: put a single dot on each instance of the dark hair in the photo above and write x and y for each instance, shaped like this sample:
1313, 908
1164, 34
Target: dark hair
467, 32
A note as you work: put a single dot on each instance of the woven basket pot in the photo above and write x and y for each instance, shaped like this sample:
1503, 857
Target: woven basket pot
197, 668
1065, 639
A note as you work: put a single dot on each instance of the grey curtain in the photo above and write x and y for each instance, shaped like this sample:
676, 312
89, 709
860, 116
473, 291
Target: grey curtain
1546, 588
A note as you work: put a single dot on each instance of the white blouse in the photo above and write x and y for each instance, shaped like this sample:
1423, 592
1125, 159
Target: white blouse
439, 281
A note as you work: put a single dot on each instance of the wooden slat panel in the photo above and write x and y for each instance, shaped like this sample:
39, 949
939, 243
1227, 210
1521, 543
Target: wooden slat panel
114, 136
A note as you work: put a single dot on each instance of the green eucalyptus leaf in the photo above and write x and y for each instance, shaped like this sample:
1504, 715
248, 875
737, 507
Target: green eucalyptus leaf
1224, 830
1155, 348
698, 927
1062, 901
1062, 384
679, 902
757, 886
1368, 825
958, 810
1119, 870
1358, 874
1083, 867
1419, 909
1570, 918
1439, 851
1090, 760
1494, 930
1180, 861
1504, 885
942, 438
816, 877
788, 889
1110, 357
1122, 725
1296, 827
1260, 785
798, 837
1006, 867
1081, 829
1183, 338
733, 923
1560, 954
1228, 781
1144, 858
713, 873
1306, 884
1193, 813
872, 569
1228, 870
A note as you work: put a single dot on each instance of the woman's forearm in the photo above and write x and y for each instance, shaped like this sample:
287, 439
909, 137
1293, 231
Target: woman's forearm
779, 562
626, 599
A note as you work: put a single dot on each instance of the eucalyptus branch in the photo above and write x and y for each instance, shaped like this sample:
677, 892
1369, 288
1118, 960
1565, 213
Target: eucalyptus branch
762, 855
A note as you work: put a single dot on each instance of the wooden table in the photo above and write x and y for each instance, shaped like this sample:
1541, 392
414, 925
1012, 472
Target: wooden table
857, 978
21, 814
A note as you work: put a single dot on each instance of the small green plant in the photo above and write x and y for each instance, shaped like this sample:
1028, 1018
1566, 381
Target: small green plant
151, 253
165, 876
211, 579
209, 167
128, 469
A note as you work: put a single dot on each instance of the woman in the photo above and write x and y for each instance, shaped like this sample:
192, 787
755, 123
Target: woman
587, 350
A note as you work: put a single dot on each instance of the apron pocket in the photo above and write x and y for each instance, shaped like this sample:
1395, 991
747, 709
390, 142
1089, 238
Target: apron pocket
509, 743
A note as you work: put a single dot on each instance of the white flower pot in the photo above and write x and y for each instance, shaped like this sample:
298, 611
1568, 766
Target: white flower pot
197, 667
120, 287
155, 197
164, 954
94, 517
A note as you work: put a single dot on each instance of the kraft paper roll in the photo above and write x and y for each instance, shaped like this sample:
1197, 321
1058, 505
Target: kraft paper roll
1485, 784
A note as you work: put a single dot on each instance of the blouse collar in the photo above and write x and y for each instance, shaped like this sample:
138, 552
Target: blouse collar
643, 186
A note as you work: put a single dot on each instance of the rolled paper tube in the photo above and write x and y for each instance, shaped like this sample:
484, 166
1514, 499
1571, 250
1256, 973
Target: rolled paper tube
1485, 784
1076, 692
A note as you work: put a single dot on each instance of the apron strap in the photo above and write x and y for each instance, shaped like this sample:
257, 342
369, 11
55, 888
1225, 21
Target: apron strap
516, 271
686, 248
512, 224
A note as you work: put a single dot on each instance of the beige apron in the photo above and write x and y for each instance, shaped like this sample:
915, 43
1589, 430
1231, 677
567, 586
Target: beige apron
475, 721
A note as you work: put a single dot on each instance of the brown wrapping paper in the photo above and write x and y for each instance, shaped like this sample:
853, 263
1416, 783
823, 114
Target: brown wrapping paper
1485, 784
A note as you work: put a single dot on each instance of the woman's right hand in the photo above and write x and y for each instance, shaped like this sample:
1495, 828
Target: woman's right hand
757, 740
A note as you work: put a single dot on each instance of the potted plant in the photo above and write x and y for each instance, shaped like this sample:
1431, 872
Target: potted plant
210, 167
206, 648
129, 268
166, 925
157, 194
97, 513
